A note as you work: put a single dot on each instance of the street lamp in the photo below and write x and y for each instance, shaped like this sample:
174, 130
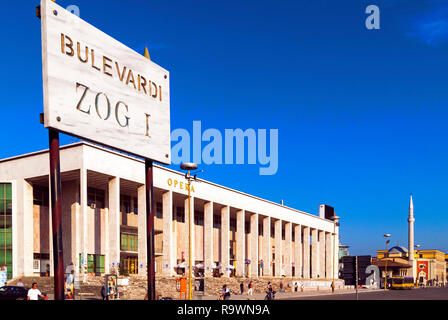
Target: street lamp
189, 166
335, 222
385, 268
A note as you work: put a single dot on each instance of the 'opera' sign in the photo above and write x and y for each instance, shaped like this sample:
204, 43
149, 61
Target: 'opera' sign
98, 89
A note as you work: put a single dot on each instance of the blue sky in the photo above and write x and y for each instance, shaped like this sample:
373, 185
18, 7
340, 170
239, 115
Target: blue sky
361, 113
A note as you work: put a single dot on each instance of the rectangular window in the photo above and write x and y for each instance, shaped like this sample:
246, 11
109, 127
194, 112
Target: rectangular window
198, 218
95, 263
180, 214
159, 210
40, 196
216, 221
99, 263
90, 263
129, 242
135, 205
6, 227
125, 204
95, 198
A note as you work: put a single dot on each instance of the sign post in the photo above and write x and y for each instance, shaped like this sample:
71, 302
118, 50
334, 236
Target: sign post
56, 214
150, 207
95, 88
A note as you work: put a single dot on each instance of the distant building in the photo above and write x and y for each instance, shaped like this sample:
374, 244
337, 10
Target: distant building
425, 266
343, 251
395, 261
431, 264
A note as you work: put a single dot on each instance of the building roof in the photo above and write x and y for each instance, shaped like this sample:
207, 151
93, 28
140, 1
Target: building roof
398, 249
390, 263
133, 158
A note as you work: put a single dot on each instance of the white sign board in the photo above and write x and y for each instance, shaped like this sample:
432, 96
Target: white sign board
123, 282
98, 89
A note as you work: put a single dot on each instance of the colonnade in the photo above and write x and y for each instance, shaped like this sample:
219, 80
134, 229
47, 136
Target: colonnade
291, 249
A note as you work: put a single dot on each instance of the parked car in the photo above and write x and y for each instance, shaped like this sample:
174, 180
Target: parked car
13, 293
16, 293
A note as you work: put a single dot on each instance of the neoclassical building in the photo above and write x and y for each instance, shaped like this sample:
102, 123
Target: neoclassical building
104, 226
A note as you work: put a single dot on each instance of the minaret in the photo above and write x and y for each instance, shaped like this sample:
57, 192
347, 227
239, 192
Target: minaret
411, 236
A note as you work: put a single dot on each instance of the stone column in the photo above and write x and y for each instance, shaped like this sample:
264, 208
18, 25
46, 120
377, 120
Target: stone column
328, 255
84, 220
225, 240
114, 222
321, 254
141, 203
167, 248
240, 243
288, 249
267, 254
189, 217
208, 239
254, 245
314, 254
336, 253
298, 251
278, 248
306, 252
25, 206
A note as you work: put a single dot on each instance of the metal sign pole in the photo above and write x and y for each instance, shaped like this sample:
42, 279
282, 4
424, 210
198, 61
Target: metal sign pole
56, 214
150, 210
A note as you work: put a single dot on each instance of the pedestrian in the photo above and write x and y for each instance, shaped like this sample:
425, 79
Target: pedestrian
20, 283
281, 286
296, 287
103, 292
34, 293
6, 284
249, 290
242, 287
225, 293
270, 293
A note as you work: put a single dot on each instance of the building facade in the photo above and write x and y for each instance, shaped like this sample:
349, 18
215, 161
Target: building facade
430, 264
104, 222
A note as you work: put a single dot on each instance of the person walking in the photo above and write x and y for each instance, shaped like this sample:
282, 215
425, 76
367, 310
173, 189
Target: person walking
296, 287
20, 283
270, 293
103, 292
249, 290
242, 287
225, 293
281, 286
34, 293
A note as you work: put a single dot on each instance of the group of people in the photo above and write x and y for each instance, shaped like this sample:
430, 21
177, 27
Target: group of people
249, 288
270, 293
33, 293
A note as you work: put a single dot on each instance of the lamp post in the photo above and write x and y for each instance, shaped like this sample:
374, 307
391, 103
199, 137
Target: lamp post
385, 268
335, 222
189, 166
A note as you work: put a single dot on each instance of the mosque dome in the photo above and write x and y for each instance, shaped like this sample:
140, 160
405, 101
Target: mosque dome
398, 249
